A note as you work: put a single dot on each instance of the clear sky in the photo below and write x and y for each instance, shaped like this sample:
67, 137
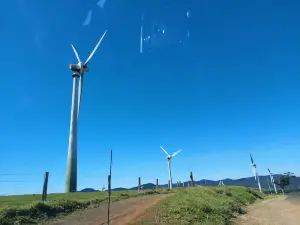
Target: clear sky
229, 88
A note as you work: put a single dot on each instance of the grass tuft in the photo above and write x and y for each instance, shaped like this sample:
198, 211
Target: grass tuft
204, 205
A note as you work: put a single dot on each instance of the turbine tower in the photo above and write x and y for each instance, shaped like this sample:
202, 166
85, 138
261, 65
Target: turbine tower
272, 180
169, 157
79, 70
255, 172
269, 186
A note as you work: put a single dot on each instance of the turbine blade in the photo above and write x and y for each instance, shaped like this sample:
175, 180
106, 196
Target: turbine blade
269, 170
93, 52
164, 151
176, 152
88, 19
251, 159
76, 54
79, 94
101, 3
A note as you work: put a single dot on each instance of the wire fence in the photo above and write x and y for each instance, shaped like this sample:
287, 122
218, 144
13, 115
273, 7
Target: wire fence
19, 189
20, 184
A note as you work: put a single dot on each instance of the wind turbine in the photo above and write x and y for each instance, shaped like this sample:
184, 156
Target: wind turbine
169, 157
79, 70
255, 172
272, 180
221, 183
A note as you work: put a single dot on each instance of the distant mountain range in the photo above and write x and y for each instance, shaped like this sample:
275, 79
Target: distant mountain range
246, 182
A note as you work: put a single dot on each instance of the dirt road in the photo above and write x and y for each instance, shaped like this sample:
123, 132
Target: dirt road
122, 212
283, 210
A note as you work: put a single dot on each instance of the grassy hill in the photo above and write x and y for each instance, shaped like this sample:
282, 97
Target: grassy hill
202, 205
244, 182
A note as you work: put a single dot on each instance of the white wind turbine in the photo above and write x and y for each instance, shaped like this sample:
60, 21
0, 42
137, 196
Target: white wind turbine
272, 180
255, 173
169, 157
221, 183
79, 70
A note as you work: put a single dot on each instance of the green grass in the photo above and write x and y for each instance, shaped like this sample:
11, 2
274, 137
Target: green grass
28, 209
19, 200
203, 205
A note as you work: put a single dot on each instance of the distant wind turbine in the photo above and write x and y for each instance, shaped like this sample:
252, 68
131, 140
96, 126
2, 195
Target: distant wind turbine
272, 180
169, 157
221, 183
255, 173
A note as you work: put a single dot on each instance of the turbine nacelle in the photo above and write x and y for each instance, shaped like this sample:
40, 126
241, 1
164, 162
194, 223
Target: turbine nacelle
270, 172
74, 67
79, 68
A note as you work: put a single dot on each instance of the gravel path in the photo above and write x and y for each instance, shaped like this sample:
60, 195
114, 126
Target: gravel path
122, 212
283, 210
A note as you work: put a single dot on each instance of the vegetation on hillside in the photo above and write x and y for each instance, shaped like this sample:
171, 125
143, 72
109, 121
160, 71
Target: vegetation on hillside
27, 210
194, 205
203, 205
285, 180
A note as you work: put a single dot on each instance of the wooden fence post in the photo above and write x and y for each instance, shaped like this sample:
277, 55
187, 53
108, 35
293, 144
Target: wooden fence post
139, 184
45, 186
109, 194
109, 189
192, 179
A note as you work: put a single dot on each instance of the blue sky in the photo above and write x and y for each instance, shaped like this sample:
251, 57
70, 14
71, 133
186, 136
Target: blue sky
230, 88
